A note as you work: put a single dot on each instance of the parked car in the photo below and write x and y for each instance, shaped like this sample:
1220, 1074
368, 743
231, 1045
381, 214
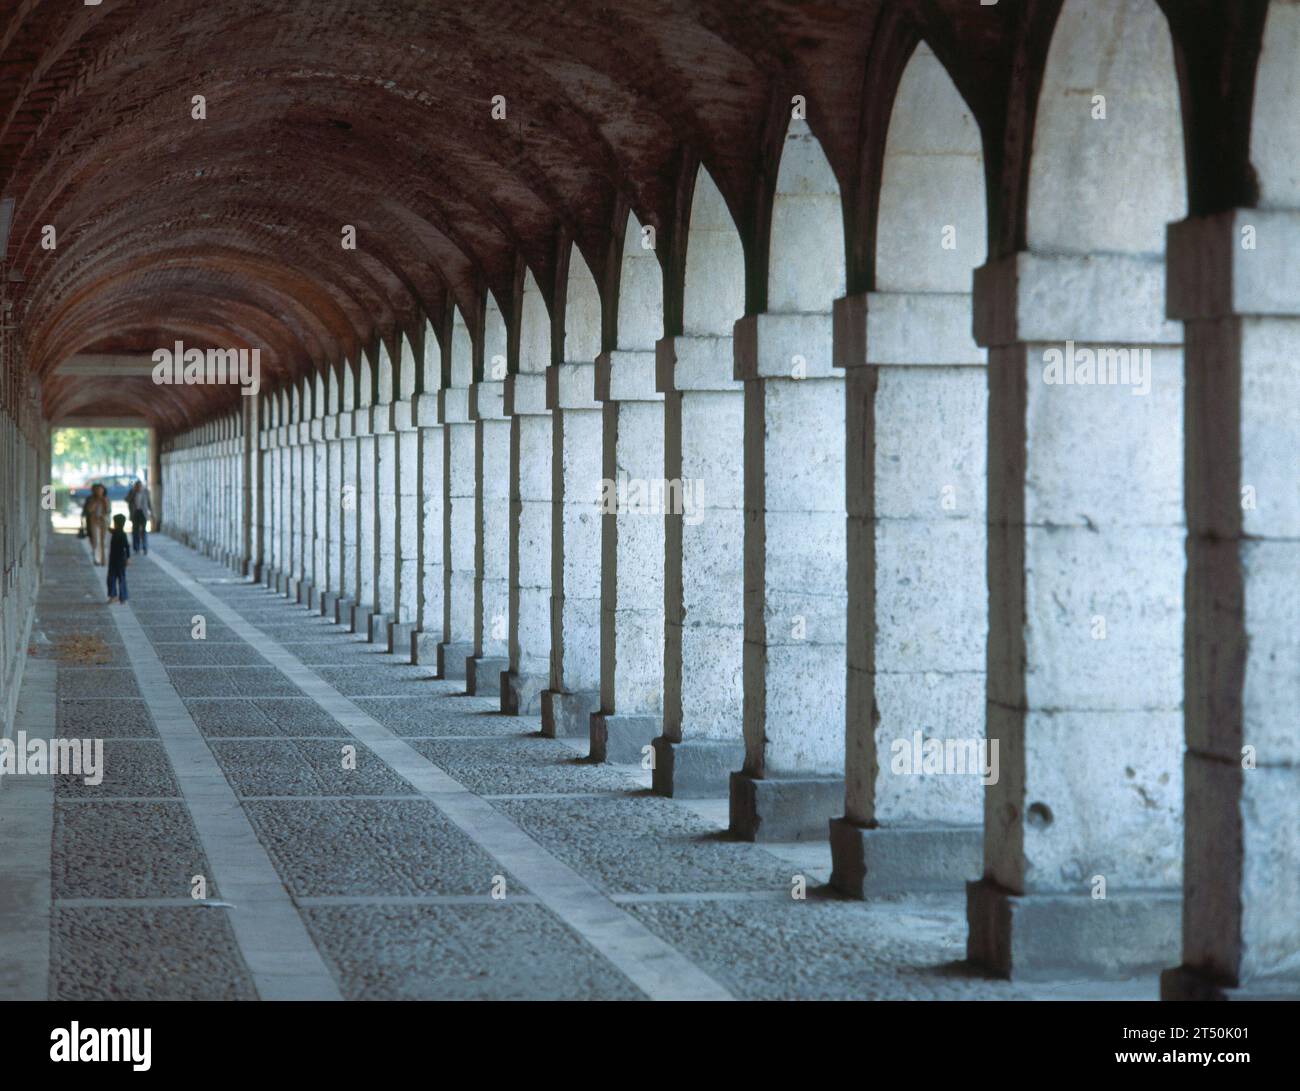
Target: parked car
116, 485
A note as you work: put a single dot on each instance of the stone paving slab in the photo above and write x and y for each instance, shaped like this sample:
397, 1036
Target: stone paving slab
146, 954
495, 952
376, 682
371, 847
97, 718
202, 654
83, 682
256, 717
305, 767
646, 844
128, 850
520, 764
429, 716
825, 950
131, 767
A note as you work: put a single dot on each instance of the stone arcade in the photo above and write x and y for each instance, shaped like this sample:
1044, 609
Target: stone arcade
969, 326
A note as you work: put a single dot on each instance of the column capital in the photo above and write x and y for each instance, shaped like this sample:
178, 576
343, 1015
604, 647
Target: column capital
784, 346
571, 386
1035, 298
525, 395
626, 375
453, 405
913, 328
695, 362
404, 416
1237, 262
381, 418
424, 409
486, 400
361, 421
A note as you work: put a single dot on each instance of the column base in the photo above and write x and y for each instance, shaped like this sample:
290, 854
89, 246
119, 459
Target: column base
305, 593
483, 674
452, 658
1041, 937
424, 649
292, 586
695, 768
256, 571
343, 607
281, 584
1187, 983
623, 739
377, 629
359, 619
328, 601
871, 862
784, 808
521, 694
568, 715
400, 635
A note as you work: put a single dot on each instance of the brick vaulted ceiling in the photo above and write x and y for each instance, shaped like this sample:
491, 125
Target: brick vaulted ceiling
377, 113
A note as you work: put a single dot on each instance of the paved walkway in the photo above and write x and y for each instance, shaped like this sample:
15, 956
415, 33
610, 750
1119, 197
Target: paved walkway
356, 829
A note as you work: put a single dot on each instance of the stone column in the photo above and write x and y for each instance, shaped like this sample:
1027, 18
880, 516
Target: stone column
792, 780
1085, 554
349, 501
321, 507
917, 593
1241, 882
367, 493
574, 686
266, 490
704, 414
305, 488
251, 560
490, 660
530, 511
387, 529
332, 430
632, 558
294, 482
430, 477
285, 491
459, 509
406, 605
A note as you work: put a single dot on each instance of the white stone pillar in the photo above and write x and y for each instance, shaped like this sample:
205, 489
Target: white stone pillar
1085, 548
334, 513
531, 436
407, 576
367, 486
492, 514
459, 507
349, 500
632, 558
320, 571
792, 780
284, 487
573, 692
266, 490
1233, 282
387, 557
251, 483
430, 477
917, 593
704, 411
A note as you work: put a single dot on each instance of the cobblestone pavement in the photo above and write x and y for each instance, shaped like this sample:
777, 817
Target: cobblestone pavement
357, 829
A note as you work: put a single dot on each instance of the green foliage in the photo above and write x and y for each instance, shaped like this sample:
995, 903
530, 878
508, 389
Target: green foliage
111, 449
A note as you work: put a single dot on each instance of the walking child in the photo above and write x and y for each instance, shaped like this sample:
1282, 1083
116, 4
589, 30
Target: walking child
119, 556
